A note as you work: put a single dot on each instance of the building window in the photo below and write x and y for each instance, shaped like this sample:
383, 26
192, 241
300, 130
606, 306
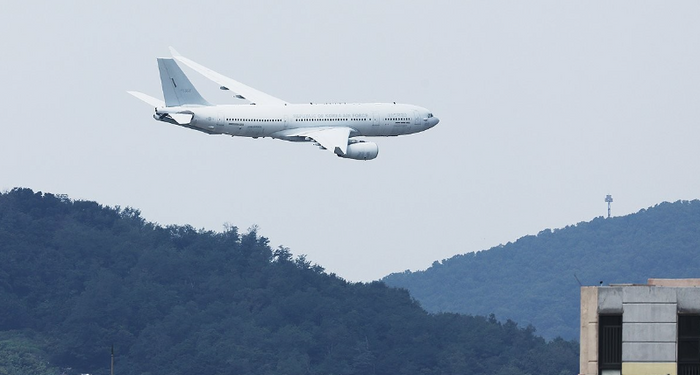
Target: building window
610, 344
688, 344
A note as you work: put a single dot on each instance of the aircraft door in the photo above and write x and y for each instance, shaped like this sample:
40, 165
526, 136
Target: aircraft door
417, 118
220, 119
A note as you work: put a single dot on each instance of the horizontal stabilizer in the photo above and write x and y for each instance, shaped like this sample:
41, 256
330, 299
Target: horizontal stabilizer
148, 99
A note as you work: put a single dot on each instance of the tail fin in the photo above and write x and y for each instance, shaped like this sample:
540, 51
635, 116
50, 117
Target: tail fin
177, 89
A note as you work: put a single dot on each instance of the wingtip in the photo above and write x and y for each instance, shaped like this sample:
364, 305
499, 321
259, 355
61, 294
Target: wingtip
174, 52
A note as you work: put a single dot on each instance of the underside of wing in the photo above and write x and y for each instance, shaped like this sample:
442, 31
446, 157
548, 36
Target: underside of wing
334, 139
240, 90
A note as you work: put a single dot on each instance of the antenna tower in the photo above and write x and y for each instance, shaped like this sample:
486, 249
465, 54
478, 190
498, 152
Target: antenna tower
608, 198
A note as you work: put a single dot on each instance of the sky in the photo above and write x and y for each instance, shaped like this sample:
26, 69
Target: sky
545, 107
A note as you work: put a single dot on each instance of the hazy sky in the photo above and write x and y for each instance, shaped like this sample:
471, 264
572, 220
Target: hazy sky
545, 107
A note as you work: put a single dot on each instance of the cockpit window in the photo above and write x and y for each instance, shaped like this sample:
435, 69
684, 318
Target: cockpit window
430, 115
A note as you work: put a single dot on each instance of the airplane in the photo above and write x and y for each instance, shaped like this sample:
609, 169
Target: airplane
333, 126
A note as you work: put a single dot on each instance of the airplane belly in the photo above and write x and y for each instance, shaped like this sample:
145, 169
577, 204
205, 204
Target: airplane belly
232, 129
362, 130
269, 130
252, 131
399, 129
374, 130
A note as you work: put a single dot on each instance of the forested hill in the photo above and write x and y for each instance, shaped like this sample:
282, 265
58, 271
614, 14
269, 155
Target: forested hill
533, 281
77, 277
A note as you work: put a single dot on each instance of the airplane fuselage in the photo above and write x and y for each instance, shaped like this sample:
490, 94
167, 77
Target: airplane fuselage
365, 119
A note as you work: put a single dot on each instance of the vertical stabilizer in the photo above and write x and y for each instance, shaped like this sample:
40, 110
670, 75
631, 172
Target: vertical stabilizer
177, 89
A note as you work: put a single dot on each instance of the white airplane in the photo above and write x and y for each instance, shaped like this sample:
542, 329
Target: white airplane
330, 126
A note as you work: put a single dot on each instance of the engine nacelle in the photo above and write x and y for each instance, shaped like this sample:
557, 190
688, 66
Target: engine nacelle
361, 151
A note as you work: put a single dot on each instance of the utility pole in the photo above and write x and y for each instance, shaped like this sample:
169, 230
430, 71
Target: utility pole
112, 367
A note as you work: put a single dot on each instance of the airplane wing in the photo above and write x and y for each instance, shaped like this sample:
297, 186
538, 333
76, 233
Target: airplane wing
334, 139
242, 91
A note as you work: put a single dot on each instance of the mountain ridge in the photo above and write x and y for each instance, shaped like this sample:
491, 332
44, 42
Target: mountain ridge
535, 280
77, 278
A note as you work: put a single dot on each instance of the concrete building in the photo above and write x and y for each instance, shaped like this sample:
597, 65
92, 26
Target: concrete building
633, 329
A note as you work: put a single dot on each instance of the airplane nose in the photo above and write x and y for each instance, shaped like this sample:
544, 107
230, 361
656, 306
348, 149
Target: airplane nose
434, 121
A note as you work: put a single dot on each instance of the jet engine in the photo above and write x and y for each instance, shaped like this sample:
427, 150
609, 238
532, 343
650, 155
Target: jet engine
361, 151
